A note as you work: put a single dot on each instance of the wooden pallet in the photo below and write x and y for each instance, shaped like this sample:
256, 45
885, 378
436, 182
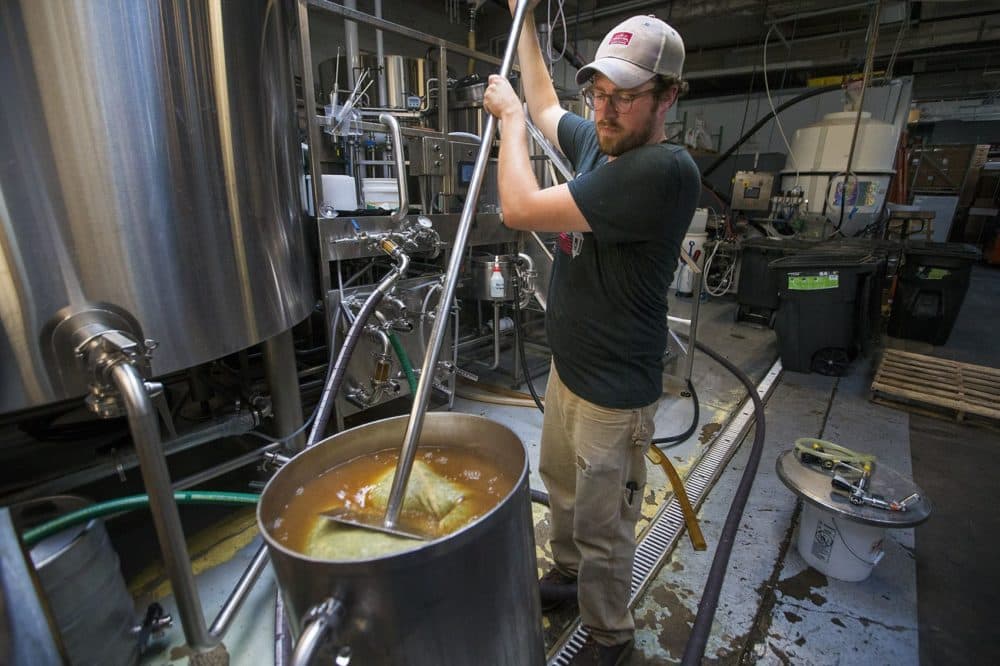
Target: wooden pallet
937, 386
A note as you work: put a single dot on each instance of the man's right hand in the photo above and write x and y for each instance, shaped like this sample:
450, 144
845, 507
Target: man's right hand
531, 6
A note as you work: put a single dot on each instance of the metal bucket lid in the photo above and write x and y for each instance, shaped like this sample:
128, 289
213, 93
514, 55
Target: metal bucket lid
814, 487
37, 511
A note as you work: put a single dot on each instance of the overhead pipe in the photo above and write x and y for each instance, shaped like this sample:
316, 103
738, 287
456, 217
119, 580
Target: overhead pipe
678, 13
351, 47
383, 97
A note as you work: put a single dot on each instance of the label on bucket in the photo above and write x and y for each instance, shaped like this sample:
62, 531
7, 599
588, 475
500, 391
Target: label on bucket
813, 281
823, 541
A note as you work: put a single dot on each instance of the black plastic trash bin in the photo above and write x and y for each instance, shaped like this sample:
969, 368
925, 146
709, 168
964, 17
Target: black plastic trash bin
823, 317
757, 291
932, 284
889, 255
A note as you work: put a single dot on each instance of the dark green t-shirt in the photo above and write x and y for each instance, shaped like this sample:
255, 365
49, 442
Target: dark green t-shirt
606, 319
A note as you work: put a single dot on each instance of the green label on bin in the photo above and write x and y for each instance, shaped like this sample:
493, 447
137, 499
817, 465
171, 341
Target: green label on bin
813, 281
928, 273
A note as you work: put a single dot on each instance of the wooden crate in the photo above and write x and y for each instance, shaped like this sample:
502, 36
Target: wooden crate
937, 386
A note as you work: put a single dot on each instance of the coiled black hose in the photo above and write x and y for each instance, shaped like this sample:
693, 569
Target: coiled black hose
695, 648
675, 440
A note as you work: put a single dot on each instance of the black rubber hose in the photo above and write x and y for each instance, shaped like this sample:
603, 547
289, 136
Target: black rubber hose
539, 497
760, 123
675, 440
695, 648
519, 339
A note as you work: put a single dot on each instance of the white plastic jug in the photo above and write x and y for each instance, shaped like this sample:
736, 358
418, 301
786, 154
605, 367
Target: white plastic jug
339, 192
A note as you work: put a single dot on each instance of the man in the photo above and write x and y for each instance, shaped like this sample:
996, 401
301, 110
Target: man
623, 219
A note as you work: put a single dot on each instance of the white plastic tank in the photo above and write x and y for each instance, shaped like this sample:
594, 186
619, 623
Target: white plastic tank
818, 164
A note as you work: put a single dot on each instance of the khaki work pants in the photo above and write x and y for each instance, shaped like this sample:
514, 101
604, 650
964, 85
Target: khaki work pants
593, 468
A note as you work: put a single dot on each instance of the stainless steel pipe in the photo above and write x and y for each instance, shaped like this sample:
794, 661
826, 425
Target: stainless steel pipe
279, 367
145, 429
239, 594
400, 162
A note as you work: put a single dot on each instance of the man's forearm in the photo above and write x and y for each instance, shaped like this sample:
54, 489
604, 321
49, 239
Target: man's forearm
516, 178
538, 89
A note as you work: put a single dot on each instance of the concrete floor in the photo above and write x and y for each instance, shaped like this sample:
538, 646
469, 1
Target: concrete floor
958, 582
773, 607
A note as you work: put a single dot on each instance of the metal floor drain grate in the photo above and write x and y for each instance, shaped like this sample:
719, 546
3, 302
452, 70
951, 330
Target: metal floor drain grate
659, 540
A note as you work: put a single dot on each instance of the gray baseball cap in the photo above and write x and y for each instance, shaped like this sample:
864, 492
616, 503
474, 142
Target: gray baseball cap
634, 51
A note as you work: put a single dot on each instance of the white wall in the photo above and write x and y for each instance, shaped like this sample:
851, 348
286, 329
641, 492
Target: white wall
735, 114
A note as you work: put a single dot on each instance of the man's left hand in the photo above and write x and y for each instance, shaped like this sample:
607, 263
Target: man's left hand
500, 98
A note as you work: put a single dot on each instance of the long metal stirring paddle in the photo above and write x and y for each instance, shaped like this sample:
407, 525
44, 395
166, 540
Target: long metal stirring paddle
416, 422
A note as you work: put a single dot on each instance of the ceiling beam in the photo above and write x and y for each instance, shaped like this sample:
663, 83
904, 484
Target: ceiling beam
817, 50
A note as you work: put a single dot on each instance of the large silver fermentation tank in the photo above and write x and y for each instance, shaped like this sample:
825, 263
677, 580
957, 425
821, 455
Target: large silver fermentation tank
150, 163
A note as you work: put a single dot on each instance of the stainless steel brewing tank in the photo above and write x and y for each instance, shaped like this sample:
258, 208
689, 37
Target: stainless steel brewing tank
151, 161
468, 598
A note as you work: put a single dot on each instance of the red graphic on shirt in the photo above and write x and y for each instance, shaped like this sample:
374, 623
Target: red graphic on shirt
622, 38
566, 243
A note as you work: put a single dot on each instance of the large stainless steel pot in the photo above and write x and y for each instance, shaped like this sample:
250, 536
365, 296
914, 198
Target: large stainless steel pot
468, 598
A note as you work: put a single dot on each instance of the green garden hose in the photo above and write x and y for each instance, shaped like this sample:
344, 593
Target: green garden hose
129, 503
404, 361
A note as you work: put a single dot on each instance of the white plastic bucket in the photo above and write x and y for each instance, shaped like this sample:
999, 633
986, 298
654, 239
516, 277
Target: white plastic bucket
339, 192
837, 546
693, 243
380, 193
699, 221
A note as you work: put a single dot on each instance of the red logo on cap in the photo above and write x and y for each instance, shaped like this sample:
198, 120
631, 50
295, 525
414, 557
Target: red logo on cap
622, 38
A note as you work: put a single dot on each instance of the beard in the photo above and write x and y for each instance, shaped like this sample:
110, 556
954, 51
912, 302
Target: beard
622, 140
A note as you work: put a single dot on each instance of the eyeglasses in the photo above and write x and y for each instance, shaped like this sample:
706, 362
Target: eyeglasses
622, 101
